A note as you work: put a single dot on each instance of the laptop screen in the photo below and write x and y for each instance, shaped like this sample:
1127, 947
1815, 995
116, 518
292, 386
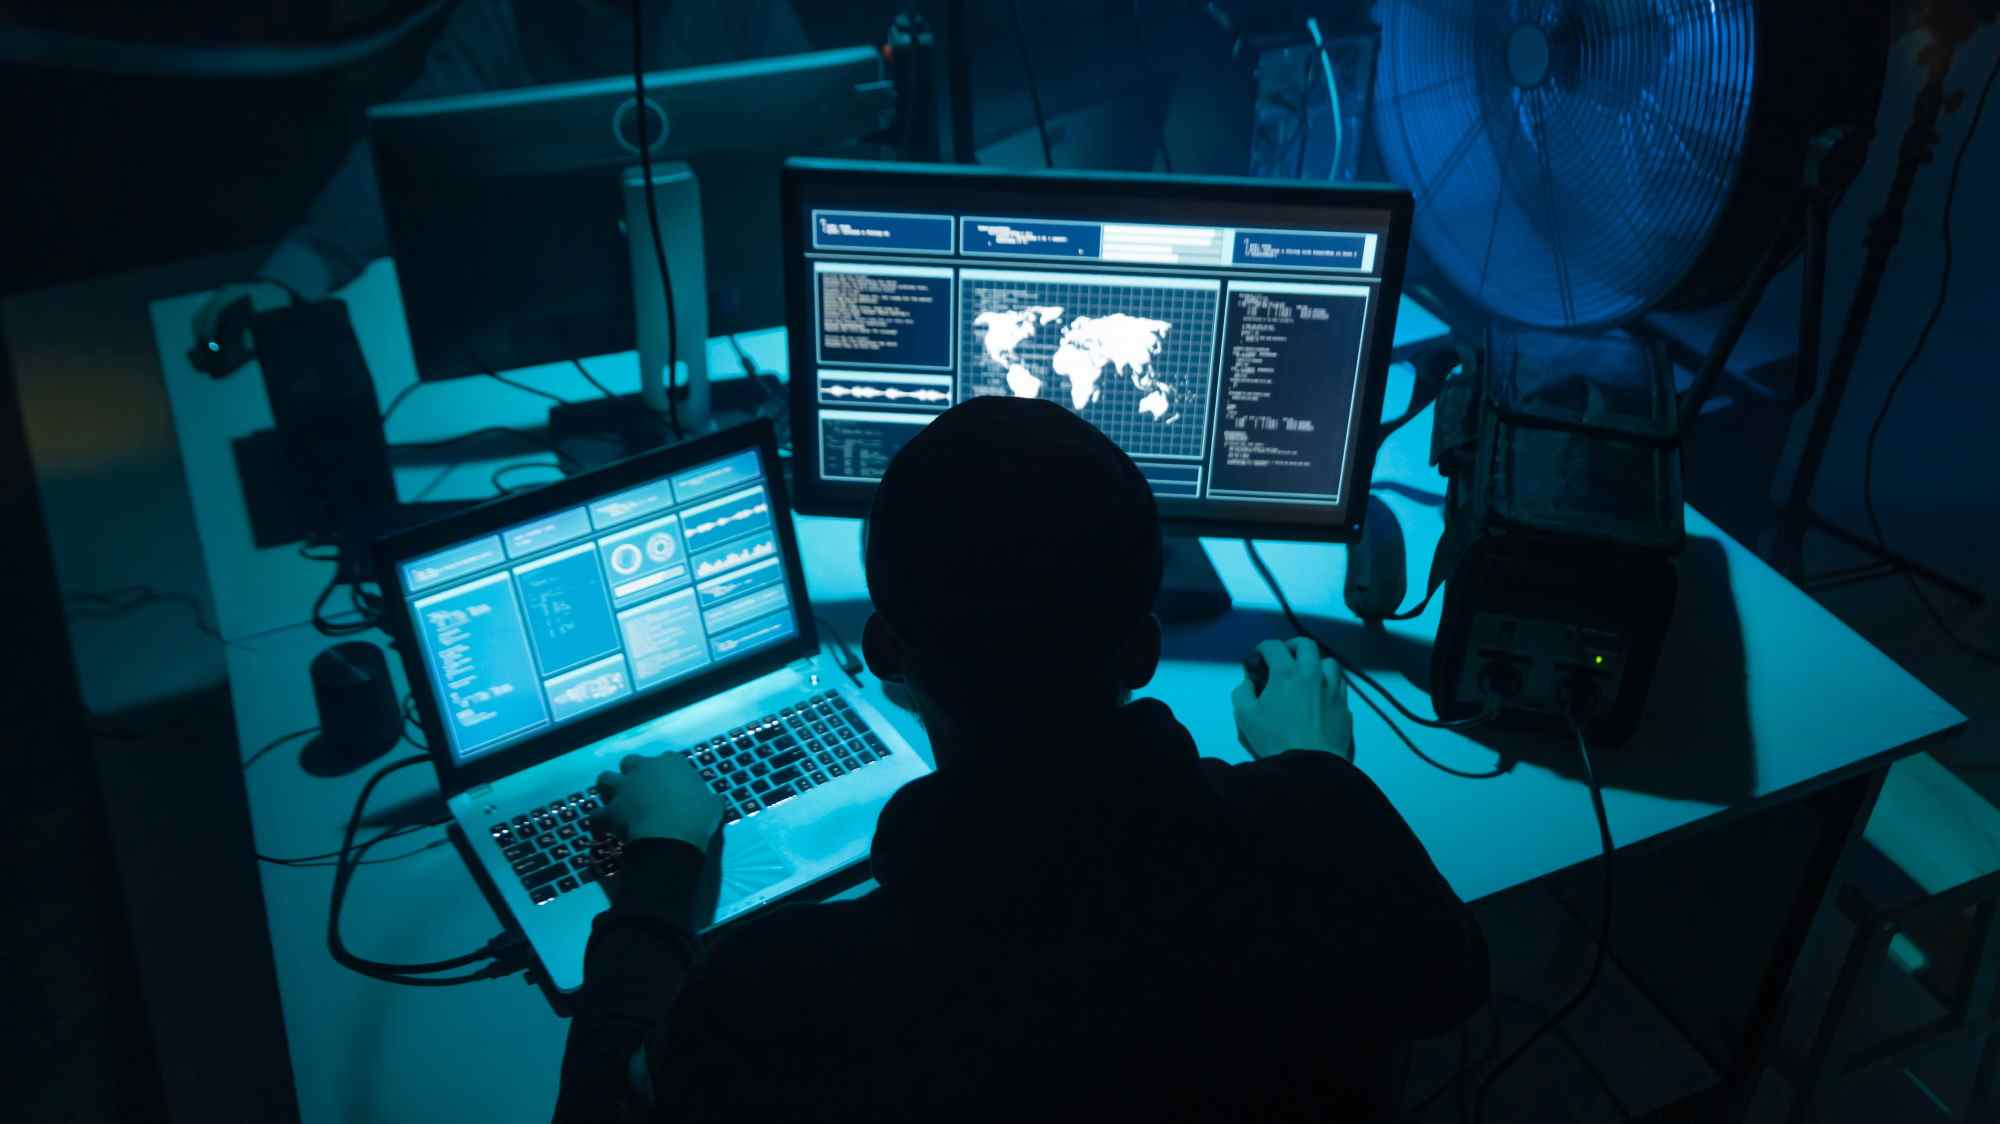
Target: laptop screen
538, 624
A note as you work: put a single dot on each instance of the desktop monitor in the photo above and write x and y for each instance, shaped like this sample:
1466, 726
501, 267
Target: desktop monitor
1231, 335
507, 210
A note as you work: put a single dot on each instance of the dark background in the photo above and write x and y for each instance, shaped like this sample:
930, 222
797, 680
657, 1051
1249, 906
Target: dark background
152, 186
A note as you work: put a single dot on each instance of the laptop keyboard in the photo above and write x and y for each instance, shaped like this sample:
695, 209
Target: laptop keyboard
560, 847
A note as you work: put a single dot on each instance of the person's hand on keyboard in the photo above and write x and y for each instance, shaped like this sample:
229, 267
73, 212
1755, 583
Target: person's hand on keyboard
1303, 704
659, 798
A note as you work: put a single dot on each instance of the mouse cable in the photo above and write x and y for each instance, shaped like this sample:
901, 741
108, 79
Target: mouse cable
645, 146
1299, 626
495, 950
1603, 929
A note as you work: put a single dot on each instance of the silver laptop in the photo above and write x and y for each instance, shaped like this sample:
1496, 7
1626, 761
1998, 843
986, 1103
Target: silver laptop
654, 605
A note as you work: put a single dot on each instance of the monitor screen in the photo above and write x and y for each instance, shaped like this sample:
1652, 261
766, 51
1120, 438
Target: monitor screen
543, 622
1230, 336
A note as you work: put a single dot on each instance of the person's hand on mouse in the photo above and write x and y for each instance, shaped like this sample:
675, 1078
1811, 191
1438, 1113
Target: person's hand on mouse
1304, 704
659, 798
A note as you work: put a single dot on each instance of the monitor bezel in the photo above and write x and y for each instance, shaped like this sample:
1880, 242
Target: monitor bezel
803, 175
392, 551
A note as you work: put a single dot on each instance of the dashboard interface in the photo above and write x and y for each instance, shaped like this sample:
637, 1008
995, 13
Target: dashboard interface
541, 623
1226, 358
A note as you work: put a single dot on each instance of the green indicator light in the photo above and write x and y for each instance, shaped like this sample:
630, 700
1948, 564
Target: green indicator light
1599, 660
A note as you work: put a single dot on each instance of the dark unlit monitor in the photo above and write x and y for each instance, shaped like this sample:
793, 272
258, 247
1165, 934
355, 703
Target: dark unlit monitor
1231, 335
507, 213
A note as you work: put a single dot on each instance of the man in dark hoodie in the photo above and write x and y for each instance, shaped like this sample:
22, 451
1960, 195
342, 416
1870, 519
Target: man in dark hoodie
1078, 916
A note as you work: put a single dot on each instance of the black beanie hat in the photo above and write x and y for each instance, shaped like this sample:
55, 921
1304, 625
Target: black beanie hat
1010, 528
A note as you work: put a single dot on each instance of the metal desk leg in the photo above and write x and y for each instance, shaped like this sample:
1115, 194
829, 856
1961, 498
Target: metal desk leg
1843, 809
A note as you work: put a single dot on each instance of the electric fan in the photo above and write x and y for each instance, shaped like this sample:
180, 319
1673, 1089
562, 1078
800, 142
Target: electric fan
1578, 162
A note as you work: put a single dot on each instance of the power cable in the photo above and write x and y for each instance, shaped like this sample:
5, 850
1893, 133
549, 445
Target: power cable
525, 388
398, 400
1976, 651
1298, 626
645, 147
276, 742
591, 379
1332, 97
496, 950
1034, 87
1603, 928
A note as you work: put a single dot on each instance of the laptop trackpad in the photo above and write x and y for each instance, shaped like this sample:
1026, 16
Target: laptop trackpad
745, 864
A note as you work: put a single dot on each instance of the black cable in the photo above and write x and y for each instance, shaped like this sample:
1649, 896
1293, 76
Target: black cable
653, 211
1976, 651
328, 858
1416, 610
1299, 627
1034, 87
591, 379
399, 973
533, 438
748, 364
130, 599
525, 388
276, 742
326, 626
413, 728
398, 400
1411, 745
846, 658
562, 458
1603, 929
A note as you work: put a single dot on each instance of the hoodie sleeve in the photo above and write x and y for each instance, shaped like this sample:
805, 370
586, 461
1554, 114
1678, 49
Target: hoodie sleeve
1424, 941
641, 952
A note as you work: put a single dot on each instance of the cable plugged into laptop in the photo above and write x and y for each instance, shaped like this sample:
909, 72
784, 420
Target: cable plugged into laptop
506, 953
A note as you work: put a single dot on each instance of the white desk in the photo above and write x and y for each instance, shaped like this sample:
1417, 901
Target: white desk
257, 590
1789, 701
1815, 703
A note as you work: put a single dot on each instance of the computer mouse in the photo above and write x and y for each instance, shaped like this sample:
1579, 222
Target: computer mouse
230, 349
1377, 572
360, 719
1258, 671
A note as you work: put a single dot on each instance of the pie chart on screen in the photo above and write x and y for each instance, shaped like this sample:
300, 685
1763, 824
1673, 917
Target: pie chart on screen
660, 548
626, 559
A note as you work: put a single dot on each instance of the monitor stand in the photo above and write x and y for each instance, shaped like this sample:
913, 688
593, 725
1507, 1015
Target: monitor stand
1190, 590
598, 432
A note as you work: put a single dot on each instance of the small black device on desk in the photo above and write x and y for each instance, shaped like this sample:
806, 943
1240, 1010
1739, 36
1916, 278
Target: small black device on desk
328, 422
359, 717
229, 348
